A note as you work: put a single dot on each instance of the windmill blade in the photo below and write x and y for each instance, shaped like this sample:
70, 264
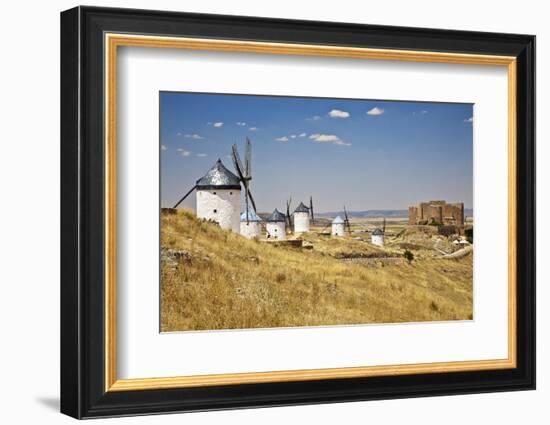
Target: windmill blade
237, 162
311, 209
184, 196
347, 220
251, 198
247, 159
247, 210
288, 212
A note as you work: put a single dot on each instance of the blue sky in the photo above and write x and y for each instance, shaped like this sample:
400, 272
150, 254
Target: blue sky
366, 154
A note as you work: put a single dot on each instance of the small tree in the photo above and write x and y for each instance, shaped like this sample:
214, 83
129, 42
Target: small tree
409, 256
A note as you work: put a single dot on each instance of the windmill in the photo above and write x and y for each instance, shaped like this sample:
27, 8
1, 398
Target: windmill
346, 220
244, 173
384, 225
311, 210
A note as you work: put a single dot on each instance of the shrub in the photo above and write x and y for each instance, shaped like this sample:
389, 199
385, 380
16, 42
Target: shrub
409, 256
469, 233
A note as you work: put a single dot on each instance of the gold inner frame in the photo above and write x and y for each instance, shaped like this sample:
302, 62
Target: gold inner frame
113, 41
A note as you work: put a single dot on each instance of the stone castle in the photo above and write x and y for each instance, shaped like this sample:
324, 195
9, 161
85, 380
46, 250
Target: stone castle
437, 212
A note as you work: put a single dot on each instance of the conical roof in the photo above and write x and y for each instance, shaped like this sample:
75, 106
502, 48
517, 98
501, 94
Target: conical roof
301, 208
377, 232
338, 220
276, 216
252, 216
219, 177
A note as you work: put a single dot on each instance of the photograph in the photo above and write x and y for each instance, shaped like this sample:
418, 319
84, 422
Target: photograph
281, 212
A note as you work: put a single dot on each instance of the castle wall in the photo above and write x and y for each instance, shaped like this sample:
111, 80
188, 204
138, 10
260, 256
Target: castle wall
413, 215
440, 211
301, 222
222, 206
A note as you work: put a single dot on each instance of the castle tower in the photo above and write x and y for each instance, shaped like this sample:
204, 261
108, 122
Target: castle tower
338, 227
219, 197
276, 226
301, 219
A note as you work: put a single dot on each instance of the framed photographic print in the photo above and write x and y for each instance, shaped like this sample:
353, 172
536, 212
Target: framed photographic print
261, 212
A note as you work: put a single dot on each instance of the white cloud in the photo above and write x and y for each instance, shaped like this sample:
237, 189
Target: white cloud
218, 124
194, 136
375, 111
253, 129
163, 147
314, 118
328, 138
292, 136
471, 119
183, 152
423, 112
342, 143
202, 155
337, 113
302, 135
240, 123
282, 139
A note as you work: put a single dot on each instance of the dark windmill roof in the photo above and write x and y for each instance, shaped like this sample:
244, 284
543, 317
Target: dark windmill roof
276, 216
219, 177
377, 232
301, 208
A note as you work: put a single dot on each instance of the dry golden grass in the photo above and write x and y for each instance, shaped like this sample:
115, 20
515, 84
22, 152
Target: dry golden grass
225, 281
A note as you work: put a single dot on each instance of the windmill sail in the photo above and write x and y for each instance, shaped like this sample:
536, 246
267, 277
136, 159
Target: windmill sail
248, 158
311, 210
244, 172
288, 216
184, 196
346, 220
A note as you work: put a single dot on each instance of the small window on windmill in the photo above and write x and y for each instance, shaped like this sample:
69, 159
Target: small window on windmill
215, 211
213, 193
231, 193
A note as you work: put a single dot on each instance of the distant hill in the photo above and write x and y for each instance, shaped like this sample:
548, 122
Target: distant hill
379, 213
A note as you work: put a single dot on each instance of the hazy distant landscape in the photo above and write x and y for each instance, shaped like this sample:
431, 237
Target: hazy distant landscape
380, 213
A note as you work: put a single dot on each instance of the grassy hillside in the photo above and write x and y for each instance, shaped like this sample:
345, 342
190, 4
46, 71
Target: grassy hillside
215, 279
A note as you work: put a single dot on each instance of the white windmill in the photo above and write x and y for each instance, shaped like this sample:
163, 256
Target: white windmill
219, 192
251, 225
218, 197
301, 219
338, 226
276, 225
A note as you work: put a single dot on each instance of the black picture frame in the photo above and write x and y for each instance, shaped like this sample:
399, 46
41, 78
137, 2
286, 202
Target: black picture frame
82, 219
